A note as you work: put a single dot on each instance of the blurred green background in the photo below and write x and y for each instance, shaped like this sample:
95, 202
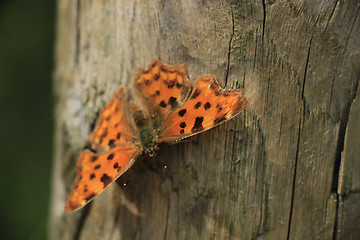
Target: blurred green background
26, 117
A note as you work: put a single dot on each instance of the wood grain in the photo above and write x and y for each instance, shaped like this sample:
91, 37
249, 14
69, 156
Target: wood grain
286, 168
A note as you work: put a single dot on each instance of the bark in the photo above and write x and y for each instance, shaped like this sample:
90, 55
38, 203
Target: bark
287, 167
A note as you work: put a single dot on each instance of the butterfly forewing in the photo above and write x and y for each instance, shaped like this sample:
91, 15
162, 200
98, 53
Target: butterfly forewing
208, 106
96, 171
114, 148
162, 88
114, 125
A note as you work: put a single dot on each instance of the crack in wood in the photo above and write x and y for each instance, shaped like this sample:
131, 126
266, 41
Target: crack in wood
264, 19
225, 146
352, 28
298, 143
229, 51
233, 147
344, 120
77, 34
294, 181
82, 220
331, 14
306, 67
167, 219
264, 206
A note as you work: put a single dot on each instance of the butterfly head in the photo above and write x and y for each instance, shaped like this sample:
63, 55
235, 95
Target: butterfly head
148, 141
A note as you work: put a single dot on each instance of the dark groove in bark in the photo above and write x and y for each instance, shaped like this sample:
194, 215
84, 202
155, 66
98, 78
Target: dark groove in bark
344, 120
336, 217
298, 143
306, 67
167, 219
77, 36
82, 220
331, 15
264, 19
229, 52
352, 27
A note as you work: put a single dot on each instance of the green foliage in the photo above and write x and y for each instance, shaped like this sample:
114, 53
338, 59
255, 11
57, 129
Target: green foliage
26, 122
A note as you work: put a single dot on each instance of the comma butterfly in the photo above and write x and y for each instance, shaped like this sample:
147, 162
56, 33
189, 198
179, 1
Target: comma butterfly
170, 109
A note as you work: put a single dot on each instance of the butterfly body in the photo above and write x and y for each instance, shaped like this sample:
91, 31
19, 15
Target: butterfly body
148, 142
167, 109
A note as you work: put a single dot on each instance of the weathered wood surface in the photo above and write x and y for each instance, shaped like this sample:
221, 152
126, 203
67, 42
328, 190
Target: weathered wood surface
287, 167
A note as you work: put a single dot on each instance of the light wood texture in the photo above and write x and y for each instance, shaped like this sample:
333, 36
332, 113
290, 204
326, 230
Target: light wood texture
286, 168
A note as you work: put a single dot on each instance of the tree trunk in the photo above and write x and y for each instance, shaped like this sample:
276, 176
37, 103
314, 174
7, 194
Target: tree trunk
287, 167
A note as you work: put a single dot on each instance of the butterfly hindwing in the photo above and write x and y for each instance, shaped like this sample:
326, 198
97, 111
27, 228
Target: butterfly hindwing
208, 106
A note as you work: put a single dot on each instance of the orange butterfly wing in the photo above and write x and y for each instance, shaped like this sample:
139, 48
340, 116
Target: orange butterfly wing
96, 171
162, 89
176, 112
116, 148
114, 125
208, 106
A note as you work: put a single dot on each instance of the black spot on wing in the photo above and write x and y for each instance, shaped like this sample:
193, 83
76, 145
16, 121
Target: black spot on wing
94, 158
220, 119
105, 179
183, 125
147, 82
197, 105
153, 64
162, 104
172, 102
92, 176
97, 166
178, 85
111, 142
89, 197
116, 166
182, 112
195, 94
163, 69
207, 106
226, 93
198, 124
111, 156
171, 84
214, 86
